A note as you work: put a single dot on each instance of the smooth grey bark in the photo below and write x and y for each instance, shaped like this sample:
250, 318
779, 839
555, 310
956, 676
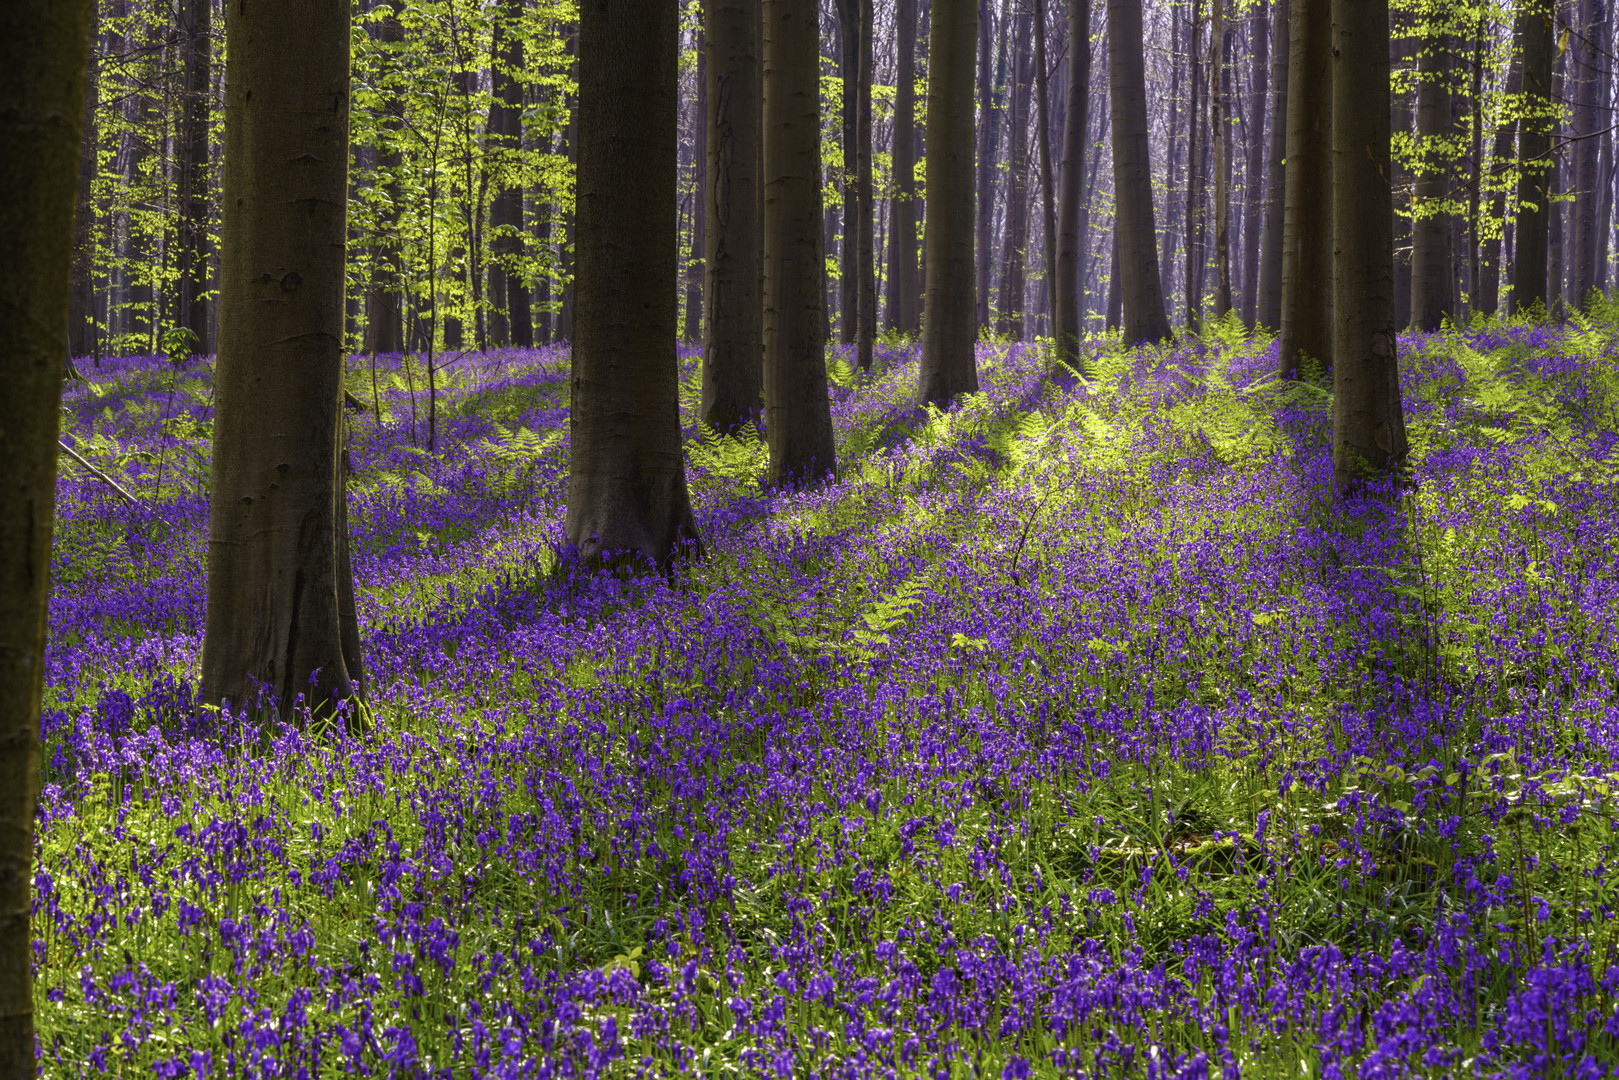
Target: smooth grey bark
1219, 109
1307, 296
695, 270
1192, 296
511, 319
849, 34
1048, 212
1268, 310
385, 314
865, 196
273, 623
1368, 422
84, 338
1489, 286
1583, 49
989, 123
191, 149
798, 410
733, 329
949, 322
1014, 240
1068, 300
1430, 227
1403, 61
1254, 174
627, 477
904, 288
1531, 233
44, 49
1141, 290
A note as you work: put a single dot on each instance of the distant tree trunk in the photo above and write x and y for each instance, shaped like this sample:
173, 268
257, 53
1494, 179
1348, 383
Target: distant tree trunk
1090, 265
1476, 157
694, 271
731, 366
1307, 267
849, 31
1403, 59
83, 338
1268, 311
1009, 307
865, 197
1368, 424
989, 109
1534, 149
798, 411
627, 478
191, 147
1171, 160
1220, 91
565, 242
1255, 172
1048, 213
273, 618
1430, 250
1194, 175
384, 305
1115, 294
1142, 292
511, 318
1604, 178
1068, 301
1489, 289
1557, 184
1590, 36
44, 46
949, 328
903, 291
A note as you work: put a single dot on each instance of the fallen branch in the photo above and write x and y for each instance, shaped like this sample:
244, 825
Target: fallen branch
97, 473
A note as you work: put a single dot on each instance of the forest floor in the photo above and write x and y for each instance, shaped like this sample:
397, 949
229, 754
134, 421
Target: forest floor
1075, 730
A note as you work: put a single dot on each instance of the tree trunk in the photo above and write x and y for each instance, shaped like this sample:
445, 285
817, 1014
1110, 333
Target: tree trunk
695, 270
1368, 424
273, 621
731, 371
1142, 293
1048, 213
511, 316
949, 327
989, 110
1534, 150
191, 148
566, 242
798, 411
83, 337
384, 304
1430, 225
1588, 38
627, 478
1009, 307
1068, 300
849, 32
1254, 174
1489, 288
1171, 161
903, 291
1268, 311
1193, 227
1220, 93
865, 197
44, 47
1403, 59
1307, 233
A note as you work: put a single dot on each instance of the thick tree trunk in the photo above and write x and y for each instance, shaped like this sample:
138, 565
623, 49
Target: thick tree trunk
1268, 311
1307, 296
904, 293
731, 351
1171, 234
798, 411
273, 621
1368, 424
568, 230
865, 197
1142, 292
1534, 150
191, 148
989, 122
1068, 300
1430, 226
949, 328
1014, 241
83, 338
1193, 226
1048, 213
1220, 88
384, 304
627, 478
1254, 175
511, 317
1588, 38
44, 47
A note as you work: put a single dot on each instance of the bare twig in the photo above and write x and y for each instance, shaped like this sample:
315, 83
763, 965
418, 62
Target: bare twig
98, 474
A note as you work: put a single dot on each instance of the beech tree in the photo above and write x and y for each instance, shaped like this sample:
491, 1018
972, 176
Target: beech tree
1141, 290
949, 322
1368, 423
1068, 303
511, 316
904, 292
44, 48
1307, 297
733, 330
627, 477
280, 614
1530, 254
798, 411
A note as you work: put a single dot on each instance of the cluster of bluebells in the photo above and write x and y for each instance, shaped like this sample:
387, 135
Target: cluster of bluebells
1076, 730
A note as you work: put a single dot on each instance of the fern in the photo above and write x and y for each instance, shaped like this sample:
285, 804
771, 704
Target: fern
736, 461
